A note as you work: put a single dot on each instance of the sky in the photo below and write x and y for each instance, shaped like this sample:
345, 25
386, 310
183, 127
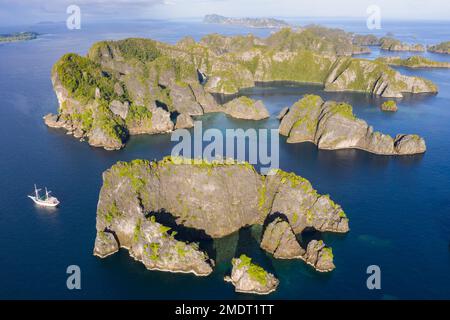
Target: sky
32, 11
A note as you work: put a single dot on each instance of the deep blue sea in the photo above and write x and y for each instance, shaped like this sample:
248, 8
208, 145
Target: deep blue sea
399, 207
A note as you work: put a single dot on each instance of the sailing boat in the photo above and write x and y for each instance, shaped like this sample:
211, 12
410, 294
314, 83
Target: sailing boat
46, 201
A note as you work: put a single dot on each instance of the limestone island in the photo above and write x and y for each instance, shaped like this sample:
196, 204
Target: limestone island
390, 106
414, 62
141, 86
332, 125
248, 277
216, 199
386, 43
391, 44
443, 47
246, 22
18, 36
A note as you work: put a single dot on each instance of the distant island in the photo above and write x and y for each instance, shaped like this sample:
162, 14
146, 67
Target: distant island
413, 62
18, 36
247, 22
443, 47
332, 126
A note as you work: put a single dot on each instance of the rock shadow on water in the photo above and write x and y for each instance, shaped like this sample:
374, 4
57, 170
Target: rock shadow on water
184, 233
248, 244
374, 241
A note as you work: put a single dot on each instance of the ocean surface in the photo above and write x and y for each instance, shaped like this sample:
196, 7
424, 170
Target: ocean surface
399, 207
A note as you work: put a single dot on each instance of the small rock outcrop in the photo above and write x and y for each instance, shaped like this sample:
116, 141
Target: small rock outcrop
332, 125
319, 256
248, 277
184, 121
389, 106
279, 239
246, 108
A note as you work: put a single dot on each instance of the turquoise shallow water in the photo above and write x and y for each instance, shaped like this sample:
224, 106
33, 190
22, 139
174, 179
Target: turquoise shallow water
398, 207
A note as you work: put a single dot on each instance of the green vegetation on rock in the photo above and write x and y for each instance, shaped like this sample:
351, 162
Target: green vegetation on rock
81, 77
254, 271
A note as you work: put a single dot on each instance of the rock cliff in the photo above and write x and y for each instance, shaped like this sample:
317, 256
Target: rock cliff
414, 62
248, 277
133, 86
216, 199
246, 108
332, 125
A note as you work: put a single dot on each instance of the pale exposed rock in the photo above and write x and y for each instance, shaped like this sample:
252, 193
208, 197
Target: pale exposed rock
409, 144
157, 249
193, 194
53, 121
105, 244
98, 138
118, 89
331, 125
247, 277
282, 113
389, 106
119, 108
279, 239
319, 256
184, 100
184, 121
246, 108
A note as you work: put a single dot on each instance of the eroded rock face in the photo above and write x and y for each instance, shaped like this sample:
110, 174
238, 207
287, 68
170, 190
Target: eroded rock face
350, 74
218, 198
156, 247
184, 121
319, 256
279, 239
409, 144
248, 277
331, 125
105, 244
246, 108
389, 106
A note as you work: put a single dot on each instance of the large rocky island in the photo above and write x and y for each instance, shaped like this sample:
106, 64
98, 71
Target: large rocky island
332, 125
246, 22
141, 86
216, 199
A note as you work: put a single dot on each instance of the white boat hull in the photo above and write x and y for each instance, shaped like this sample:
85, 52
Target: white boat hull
44, 203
